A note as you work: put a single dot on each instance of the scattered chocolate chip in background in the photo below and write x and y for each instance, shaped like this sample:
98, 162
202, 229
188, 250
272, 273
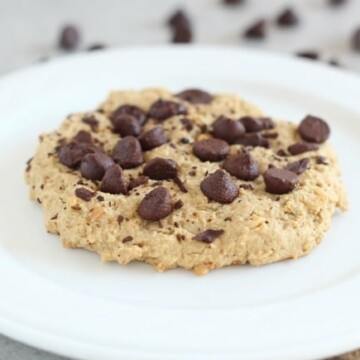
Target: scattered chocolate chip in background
287, 18
256, 31
308, 54
69, 38
208, 236
96, 46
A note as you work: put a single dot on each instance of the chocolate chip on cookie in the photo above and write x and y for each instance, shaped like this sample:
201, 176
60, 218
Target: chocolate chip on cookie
280, 181
156, 205
208, 236
153, 138
127, 152
314, 129
132, 110
227, 129
114, 182
211, 149
160, 169
254, 139
84, 194
287, 18
92, 122
140, 180
93, 166
298, 167
188, 124
254, 124
219, 187
83, 137
72, 153
300, 148
256, 30
195, 96
243, 166
321, 160
164, 109
126, 125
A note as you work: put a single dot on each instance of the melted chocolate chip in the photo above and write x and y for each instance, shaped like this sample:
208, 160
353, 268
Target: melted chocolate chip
164, 109
72, 154
93, 166
287, 18
153, 138
92, 122
195, 96
219, 187
84, 194
114, 181
126, 125
83, 137
211, 149
156, 205
256, 30
314, 129
208, 236
280, 181
298, 167
127, 153
160, 169
140, 180
69, 38
254, 139
132, 110
227, 129
243, 166
300, 148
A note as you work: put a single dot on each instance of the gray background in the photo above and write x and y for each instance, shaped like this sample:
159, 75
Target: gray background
29, 31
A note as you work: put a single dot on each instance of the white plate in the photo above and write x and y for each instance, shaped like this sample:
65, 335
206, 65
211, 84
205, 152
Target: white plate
68, 302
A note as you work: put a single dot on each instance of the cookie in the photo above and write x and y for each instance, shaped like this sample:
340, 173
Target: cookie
192, 180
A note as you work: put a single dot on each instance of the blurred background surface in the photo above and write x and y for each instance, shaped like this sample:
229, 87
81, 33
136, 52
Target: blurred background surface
30, 31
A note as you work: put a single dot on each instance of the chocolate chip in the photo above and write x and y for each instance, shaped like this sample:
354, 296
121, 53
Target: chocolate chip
337, 2
156, 205
314, 129
93, 166
127, 239
153, 138
132, 110
280, 181
69, 37
254, 139
100, 198
184, 140
208, 236
114, 181
321, 160
287, 18
164, 109
178, 205
211, 149
126, 125
356, 40
160, 169
273, 135
83, 137
246, 187
243, 166
233, 2
92, 122
180, 185
179, 18
72, 153
140, 180
254, 124
188, 125
84, 194
182, 35
256, 30
28, 165
282, 153
127, 153
95, 47
300, 148
219, 187
120, 219
195, 96
312, 55
227, 129
298, 167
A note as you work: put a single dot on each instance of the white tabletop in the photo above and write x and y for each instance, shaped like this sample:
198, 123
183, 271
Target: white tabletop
29, 31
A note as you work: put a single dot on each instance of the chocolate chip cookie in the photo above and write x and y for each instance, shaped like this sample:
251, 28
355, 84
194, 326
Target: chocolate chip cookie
192, 179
